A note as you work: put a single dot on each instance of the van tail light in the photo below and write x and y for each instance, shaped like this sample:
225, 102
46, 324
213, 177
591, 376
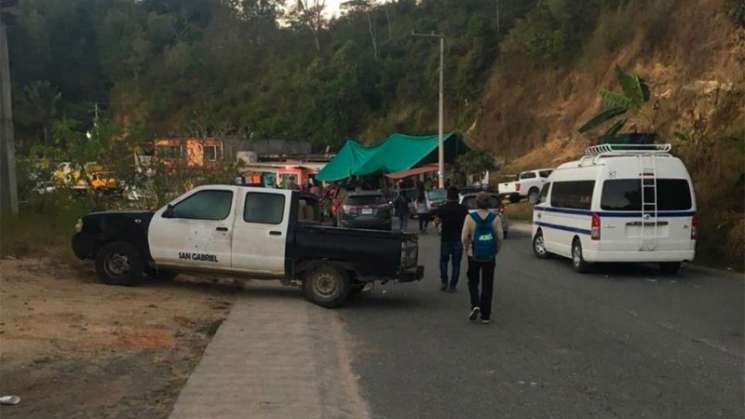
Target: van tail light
694, 227
517, 186
595, 232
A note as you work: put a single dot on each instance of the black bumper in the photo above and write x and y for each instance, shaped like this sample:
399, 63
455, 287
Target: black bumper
84, 246
412, 275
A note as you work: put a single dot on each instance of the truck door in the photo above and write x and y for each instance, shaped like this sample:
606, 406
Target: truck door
260, 233
195, 232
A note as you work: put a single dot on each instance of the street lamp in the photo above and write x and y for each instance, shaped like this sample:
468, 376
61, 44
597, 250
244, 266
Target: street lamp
440, 139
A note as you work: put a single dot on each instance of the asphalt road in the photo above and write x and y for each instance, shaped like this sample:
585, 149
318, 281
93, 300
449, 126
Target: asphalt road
623, 342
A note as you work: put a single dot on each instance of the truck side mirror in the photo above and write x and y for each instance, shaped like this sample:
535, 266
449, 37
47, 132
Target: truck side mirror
168, 213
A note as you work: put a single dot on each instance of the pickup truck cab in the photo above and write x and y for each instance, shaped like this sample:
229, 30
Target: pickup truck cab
528, 185
245, 231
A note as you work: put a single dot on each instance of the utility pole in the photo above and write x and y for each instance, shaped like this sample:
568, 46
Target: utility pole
441, 113
8, 185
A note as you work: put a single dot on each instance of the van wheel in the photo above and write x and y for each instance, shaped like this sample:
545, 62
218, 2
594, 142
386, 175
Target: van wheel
119, 263
670, 268
533, 196
578, 261
539, 246
326, 286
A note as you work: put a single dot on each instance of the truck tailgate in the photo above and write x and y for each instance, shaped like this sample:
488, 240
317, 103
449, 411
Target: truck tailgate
373, 253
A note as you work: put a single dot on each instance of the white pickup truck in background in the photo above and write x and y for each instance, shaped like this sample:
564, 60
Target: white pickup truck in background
528, 185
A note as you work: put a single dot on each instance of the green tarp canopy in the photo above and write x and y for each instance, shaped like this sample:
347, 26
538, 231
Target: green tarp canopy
396, 153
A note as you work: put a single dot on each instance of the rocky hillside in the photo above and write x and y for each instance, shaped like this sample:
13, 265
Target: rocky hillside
695, 67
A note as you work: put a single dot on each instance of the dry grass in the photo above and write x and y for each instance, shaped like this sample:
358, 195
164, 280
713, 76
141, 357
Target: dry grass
519, 211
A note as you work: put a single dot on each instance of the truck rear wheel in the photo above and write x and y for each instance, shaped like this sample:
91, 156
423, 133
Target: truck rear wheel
119, 263
326, 286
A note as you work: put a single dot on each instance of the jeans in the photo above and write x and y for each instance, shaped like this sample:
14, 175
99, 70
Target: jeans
423, 221
403, 222
450, 249
484, 270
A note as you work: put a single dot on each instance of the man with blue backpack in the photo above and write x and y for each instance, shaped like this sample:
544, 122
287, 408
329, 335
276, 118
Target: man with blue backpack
482, 238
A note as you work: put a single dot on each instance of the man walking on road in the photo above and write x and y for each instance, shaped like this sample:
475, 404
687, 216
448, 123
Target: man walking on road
482, 238
451, 216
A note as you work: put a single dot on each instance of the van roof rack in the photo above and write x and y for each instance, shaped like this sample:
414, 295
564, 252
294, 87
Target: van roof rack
593, 153
632, 149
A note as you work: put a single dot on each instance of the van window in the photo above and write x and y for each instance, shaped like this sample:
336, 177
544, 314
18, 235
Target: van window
527, 175
573, 194
544, 193
625, 195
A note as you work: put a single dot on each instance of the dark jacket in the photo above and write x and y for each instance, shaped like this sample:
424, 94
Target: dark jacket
452, 215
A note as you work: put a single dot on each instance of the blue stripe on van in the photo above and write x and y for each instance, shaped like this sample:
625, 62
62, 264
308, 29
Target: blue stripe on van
630, 214
565, 228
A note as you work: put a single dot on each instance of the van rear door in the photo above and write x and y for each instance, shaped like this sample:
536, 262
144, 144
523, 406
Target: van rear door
626, 228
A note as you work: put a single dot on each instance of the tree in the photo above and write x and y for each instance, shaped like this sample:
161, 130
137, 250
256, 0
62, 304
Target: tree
621, 106
309, 13
364, 6
473, 163
38, 106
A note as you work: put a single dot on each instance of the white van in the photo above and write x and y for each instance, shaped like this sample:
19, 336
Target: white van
619, 203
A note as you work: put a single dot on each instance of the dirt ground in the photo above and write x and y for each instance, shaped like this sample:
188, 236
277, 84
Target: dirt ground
74, 348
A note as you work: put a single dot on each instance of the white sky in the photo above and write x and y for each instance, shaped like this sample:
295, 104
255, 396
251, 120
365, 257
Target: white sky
332, 7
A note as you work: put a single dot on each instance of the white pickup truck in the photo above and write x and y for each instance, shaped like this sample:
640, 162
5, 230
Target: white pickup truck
528, 185
243, 231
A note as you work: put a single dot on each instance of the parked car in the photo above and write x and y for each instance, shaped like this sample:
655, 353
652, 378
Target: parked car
366, 209
435, 198
528, 185
495, 206
618, 204
245, 231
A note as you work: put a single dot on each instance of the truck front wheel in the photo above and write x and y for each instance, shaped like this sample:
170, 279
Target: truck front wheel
119, 263
326, 286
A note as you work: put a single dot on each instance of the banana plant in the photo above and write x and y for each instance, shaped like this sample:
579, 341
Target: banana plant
619, 106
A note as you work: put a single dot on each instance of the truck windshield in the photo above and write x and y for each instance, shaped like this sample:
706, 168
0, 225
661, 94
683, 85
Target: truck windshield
625, 195
365, 200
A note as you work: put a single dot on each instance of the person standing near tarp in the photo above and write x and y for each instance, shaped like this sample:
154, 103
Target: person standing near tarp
482, 238
402, 207
422, 212
450, 216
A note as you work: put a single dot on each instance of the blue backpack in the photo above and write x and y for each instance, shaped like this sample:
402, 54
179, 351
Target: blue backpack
484, 242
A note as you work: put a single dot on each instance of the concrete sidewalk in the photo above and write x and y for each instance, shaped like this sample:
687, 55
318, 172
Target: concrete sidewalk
275, 356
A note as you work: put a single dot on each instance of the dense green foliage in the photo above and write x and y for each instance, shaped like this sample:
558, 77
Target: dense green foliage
272, 69
263, 68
